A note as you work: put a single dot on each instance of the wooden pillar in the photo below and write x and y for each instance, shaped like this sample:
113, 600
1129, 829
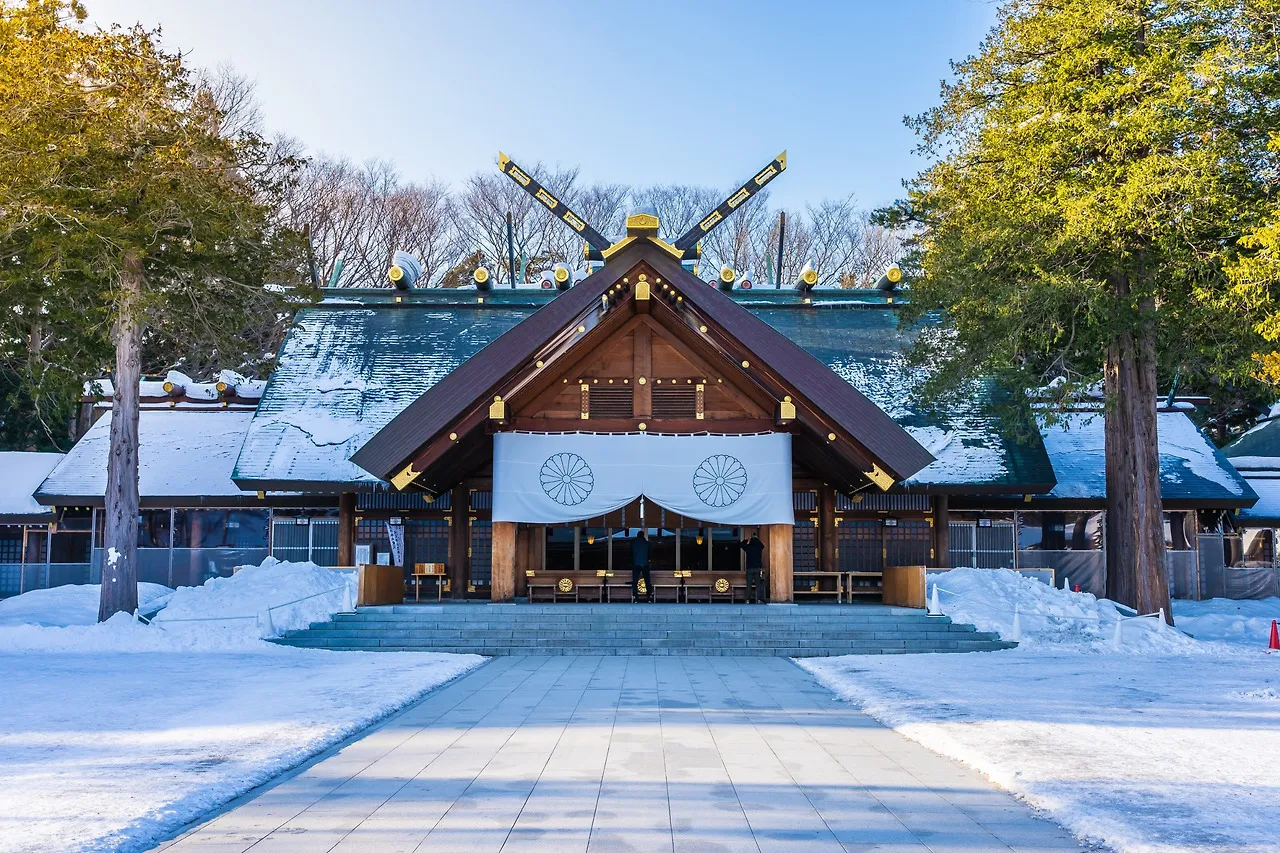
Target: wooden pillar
459, 540
781, 567
827, 529
347, 529
524, 558
502, 583
941, 531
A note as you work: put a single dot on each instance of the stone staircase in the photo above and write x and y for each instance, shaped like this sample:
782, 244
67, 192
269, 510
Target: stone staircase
652, 629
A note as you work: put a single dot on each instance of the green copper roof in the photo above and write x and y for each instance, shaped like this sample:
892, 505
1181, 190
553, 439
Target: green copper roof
353, 362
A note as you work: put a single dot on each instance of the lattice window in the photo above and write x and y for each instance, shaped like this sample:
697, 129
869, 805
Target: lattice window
481, 499
675, 401
909, 544
426, 540
610, 401
804, 546
481, 553
806, 501
859, 545
373, 530
11, 546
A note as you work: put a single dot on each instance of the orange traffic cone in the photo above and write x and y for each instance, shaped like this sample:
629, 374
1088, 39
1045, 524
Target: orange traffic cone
1275, 637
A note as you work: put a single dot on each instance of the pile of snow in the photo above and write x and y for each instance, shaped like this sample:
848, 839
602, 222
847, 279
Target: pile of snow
295, 594
224, 613
988, 599
63, 606
1247, 623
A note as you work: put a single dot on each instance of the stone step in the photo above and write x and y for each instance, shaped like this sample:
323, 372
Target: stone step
770, 651
482, 643
552, 635
643, 629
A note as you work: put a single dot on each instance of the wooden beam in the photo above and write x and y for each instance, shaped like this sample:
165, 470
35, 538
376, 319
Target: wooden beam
502, 582
347, 529
827, 534
550, 384
642, 371
702, 351
781, 565
459, 540
727, 425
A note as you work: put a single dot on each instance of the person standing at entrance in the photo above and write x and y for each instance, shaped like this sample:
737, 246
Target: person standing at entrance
640, 567
754, 550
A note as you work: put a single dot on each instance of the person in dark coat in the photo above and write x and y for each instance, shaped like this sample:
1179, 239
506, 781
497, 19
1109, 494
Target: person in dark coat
754, 550
640, 567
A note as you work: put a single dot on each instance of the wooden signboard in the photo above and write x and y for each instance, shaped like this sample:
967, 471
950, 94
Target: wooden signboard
904, 586
380, 585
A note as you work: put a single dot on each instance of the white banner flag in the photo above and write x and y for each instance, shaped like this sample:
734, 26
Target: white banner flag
547, 478
395, 535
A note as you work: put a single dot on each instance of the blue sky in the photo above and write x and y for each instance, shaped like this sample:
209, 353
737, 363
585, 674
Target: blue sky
655, 92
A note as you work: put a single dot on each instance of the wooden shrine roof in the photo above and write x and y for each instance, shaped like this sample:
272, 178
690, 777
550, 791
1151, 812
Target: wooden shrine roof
355, 361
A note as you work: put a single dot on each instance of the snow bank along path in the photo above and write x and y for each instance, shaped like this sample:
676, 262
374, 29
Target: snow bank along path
1169, 744
114, 736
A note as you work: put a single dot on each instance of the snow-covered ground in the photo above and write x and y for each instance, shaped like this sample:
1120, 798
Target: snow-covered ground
62, 606
1166, 744
113, 736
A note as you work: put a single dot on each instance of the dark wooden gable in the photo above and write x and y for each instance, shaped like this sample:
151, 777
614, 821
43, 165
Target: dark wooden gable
642, 317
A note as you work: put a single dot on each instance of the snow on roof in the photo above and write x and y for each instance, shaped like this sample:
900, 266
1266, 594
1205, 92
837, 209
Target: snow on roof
1190, 466
181, 454
1268, 506
1255, 463
343, 374
23, 474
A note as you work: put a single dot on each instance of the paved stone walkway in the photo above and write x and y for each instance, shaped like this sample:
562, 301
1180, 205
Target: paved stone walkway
631, 754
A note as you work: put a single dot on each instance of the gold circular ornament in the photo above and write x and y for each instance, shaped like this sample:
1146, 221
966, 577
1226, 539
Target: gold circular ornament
565, 585
722, 585
641, 587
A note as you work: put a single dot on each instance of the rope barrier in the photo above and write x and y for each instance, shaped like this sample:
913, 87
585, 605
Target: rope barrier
253, 616
1096, 619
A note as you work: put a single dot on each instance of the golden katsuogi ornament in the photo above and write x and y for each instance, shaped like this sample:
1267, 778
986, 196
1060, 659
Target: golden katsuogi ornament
722, 585
565, 585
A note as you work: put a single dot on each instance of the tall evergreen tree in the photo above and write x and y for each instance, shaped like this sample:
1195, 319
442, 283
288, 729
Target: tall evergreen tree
1096, 163
127, 211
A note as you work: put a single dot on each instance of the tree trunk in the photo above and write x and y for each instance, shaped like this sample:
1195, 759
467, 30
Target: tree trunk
1135, 521
119, 563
